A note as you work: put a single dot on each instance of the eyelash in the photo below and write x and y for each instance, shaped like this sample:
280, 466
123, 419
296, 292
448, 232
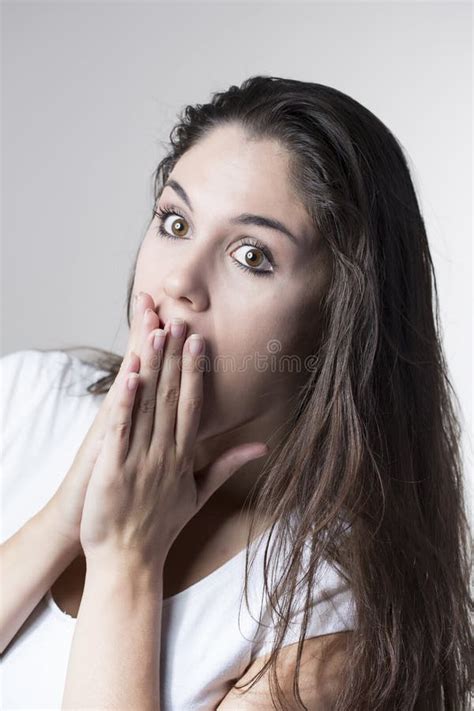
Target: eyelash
163, 212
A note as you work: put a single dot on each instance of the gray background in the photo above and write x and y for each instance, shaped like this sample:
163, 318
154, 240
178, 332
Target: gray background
90, 89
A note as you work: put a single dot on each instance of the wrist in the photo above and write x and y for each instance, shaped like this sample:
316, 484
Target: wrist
123, 570
49, 519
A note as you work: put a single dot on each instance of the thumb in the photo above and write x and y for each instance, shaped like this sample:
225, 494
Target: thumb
216, 474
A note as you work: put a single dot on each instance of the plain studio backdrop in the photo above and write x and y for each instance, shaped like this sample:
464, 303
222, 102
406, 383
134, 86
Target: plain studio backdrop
91, 90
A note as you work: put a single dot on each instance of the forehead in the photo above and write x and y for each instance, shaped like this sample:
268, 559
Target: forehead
230, 172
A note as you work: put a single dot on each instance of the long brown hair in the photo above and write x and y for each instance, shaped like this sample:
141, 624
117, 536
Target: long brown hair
376, 433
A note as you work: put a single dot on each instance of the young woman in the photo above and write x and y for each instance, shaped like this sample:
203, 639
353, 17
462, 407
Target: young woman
286, 232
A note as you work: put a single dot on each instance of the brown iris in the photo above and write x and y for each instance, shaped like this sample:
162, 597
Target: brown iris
251, 258
180, 230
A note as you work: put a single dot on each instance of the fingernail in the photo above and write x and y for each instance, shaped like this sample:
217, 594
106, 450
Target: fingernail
195, 344
137, 299
159, 339
177, 327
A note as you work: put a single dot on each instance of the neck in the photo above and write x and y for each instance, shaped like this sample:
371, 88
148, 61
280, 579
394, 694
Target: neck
235, 493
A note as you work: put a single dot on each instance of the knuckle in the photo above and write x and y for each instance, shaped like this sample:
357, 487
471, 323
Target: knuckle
146, 405
159, 459
154, 361
170, 395
186, 460
193, 403
173, 361
120, 428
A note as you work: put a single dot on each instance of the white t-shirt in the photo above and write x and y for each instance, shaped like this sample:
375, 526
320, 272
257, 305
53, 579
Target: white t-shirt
208, 634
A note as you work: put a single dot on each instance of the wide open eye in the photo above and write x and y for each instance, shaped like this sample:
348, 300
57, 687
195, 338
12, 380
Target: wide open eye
253, 256
176, 225
253, 252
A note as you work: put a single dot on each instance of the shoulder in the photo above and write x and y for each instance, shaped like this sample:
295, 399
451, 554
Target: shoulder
26, 371
319, 678
34, 378
29, 364
328, 607
32, 367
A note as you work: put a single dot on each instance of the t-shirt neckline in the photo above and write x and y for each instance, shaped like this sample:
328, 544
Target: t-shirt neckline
204, 583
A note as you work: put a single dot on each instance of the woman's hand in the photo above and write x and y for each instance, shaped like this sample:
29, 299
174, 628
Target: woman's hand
66, 504
142, 491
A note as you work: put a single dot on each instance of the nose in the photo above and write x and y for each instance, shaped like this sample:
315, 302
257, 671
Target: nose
187, 293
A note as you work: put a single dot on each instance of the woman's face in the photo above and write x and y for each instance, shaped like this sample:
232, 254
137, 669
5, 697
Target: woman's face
251, 308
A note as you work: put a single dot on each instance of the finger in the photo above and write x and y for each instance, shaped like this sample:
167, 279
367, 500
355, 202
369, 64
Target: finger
190, 398
141, 302
95, 436
115, 447
151, 363
131, 362
167, 391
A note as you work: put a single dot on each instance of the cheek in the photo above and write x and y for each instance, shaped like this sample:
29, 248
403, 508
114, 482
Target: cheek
287, 346
150, 247
251, 353
149, 265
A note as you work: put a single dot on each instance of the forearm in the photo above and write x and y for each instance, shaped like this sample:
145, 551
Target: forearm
31, 560
114, 662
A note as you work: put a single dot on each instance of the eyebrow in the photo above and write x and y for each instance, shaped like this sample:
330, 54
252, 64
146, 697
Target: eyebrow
245, 218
